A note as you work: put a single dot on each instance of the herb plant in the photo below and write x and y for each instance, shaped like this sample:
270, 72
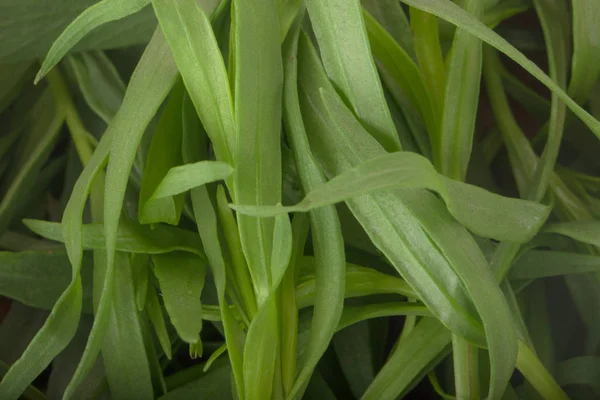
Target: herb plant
288, 199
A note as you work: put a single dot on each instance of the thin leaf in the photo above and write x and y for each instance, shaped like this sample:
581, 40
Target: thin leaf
360, 281
94, 16
452, 13
325, 227
196, 52
485, 213
583, 231
100, 83
131, 237
181, 279
206, 221
585, 69
258, 87
411, 361
164, 153
537, 264
158, 321
185, 177
37, 278
128, 372
342, 37
355, 314
461, 100
579, 371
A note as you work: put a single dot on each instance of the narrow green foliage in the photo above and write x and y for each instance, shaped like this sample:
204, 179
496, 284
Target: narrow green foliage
164, 153
515, 220
342, 38
461, 99
585, 69
181, 279
98, 14
258, 87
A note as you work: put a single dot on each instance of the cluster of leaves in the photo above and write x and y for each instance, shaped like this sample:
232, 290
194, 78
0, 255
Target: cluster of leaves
304, 196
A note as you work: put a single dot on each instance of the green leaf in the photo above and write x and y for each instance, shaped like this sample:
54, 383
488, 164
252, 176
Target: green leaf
181, 280
534, 371
391, 16
263, 342
29, 28
206, 221
579, 371
452, 13
424, 213
355, 314
422, 349
164, 153
139, 106
158, 321
461, 100
214, 384
199, 60
93, 17
402, 69
583, 231
38, 140
483, 212
128, 372
99, 82
385, 219
325, 227
555, 25
37, 278
185, 177
360, 281
585, 69
341, 33
536, 264
258, 87
131, 237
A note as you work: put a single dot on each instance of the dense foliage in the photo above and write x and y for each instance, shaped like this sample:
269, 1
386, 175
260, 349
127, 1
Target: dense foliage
286, 199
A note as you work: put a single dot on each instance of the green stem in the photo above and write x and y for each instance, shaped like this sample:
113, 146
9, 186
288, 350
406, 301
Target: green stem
536, 374
466, 369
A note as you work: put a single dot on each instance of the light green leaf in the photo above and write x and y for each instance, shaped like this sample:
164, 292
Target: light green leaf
360, 281
392, 17
461, 100
422, 349
485, 213
131, 237
355, 314
93, 17
388, 221
258, 87
585, 69
583, 231
452, 13
181, 279
37, 278
99, 82
128, 372
196, 52
158, 321
341, 33
537, 264
206, 221
185, 177
164, 153
46, 119
325, 226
